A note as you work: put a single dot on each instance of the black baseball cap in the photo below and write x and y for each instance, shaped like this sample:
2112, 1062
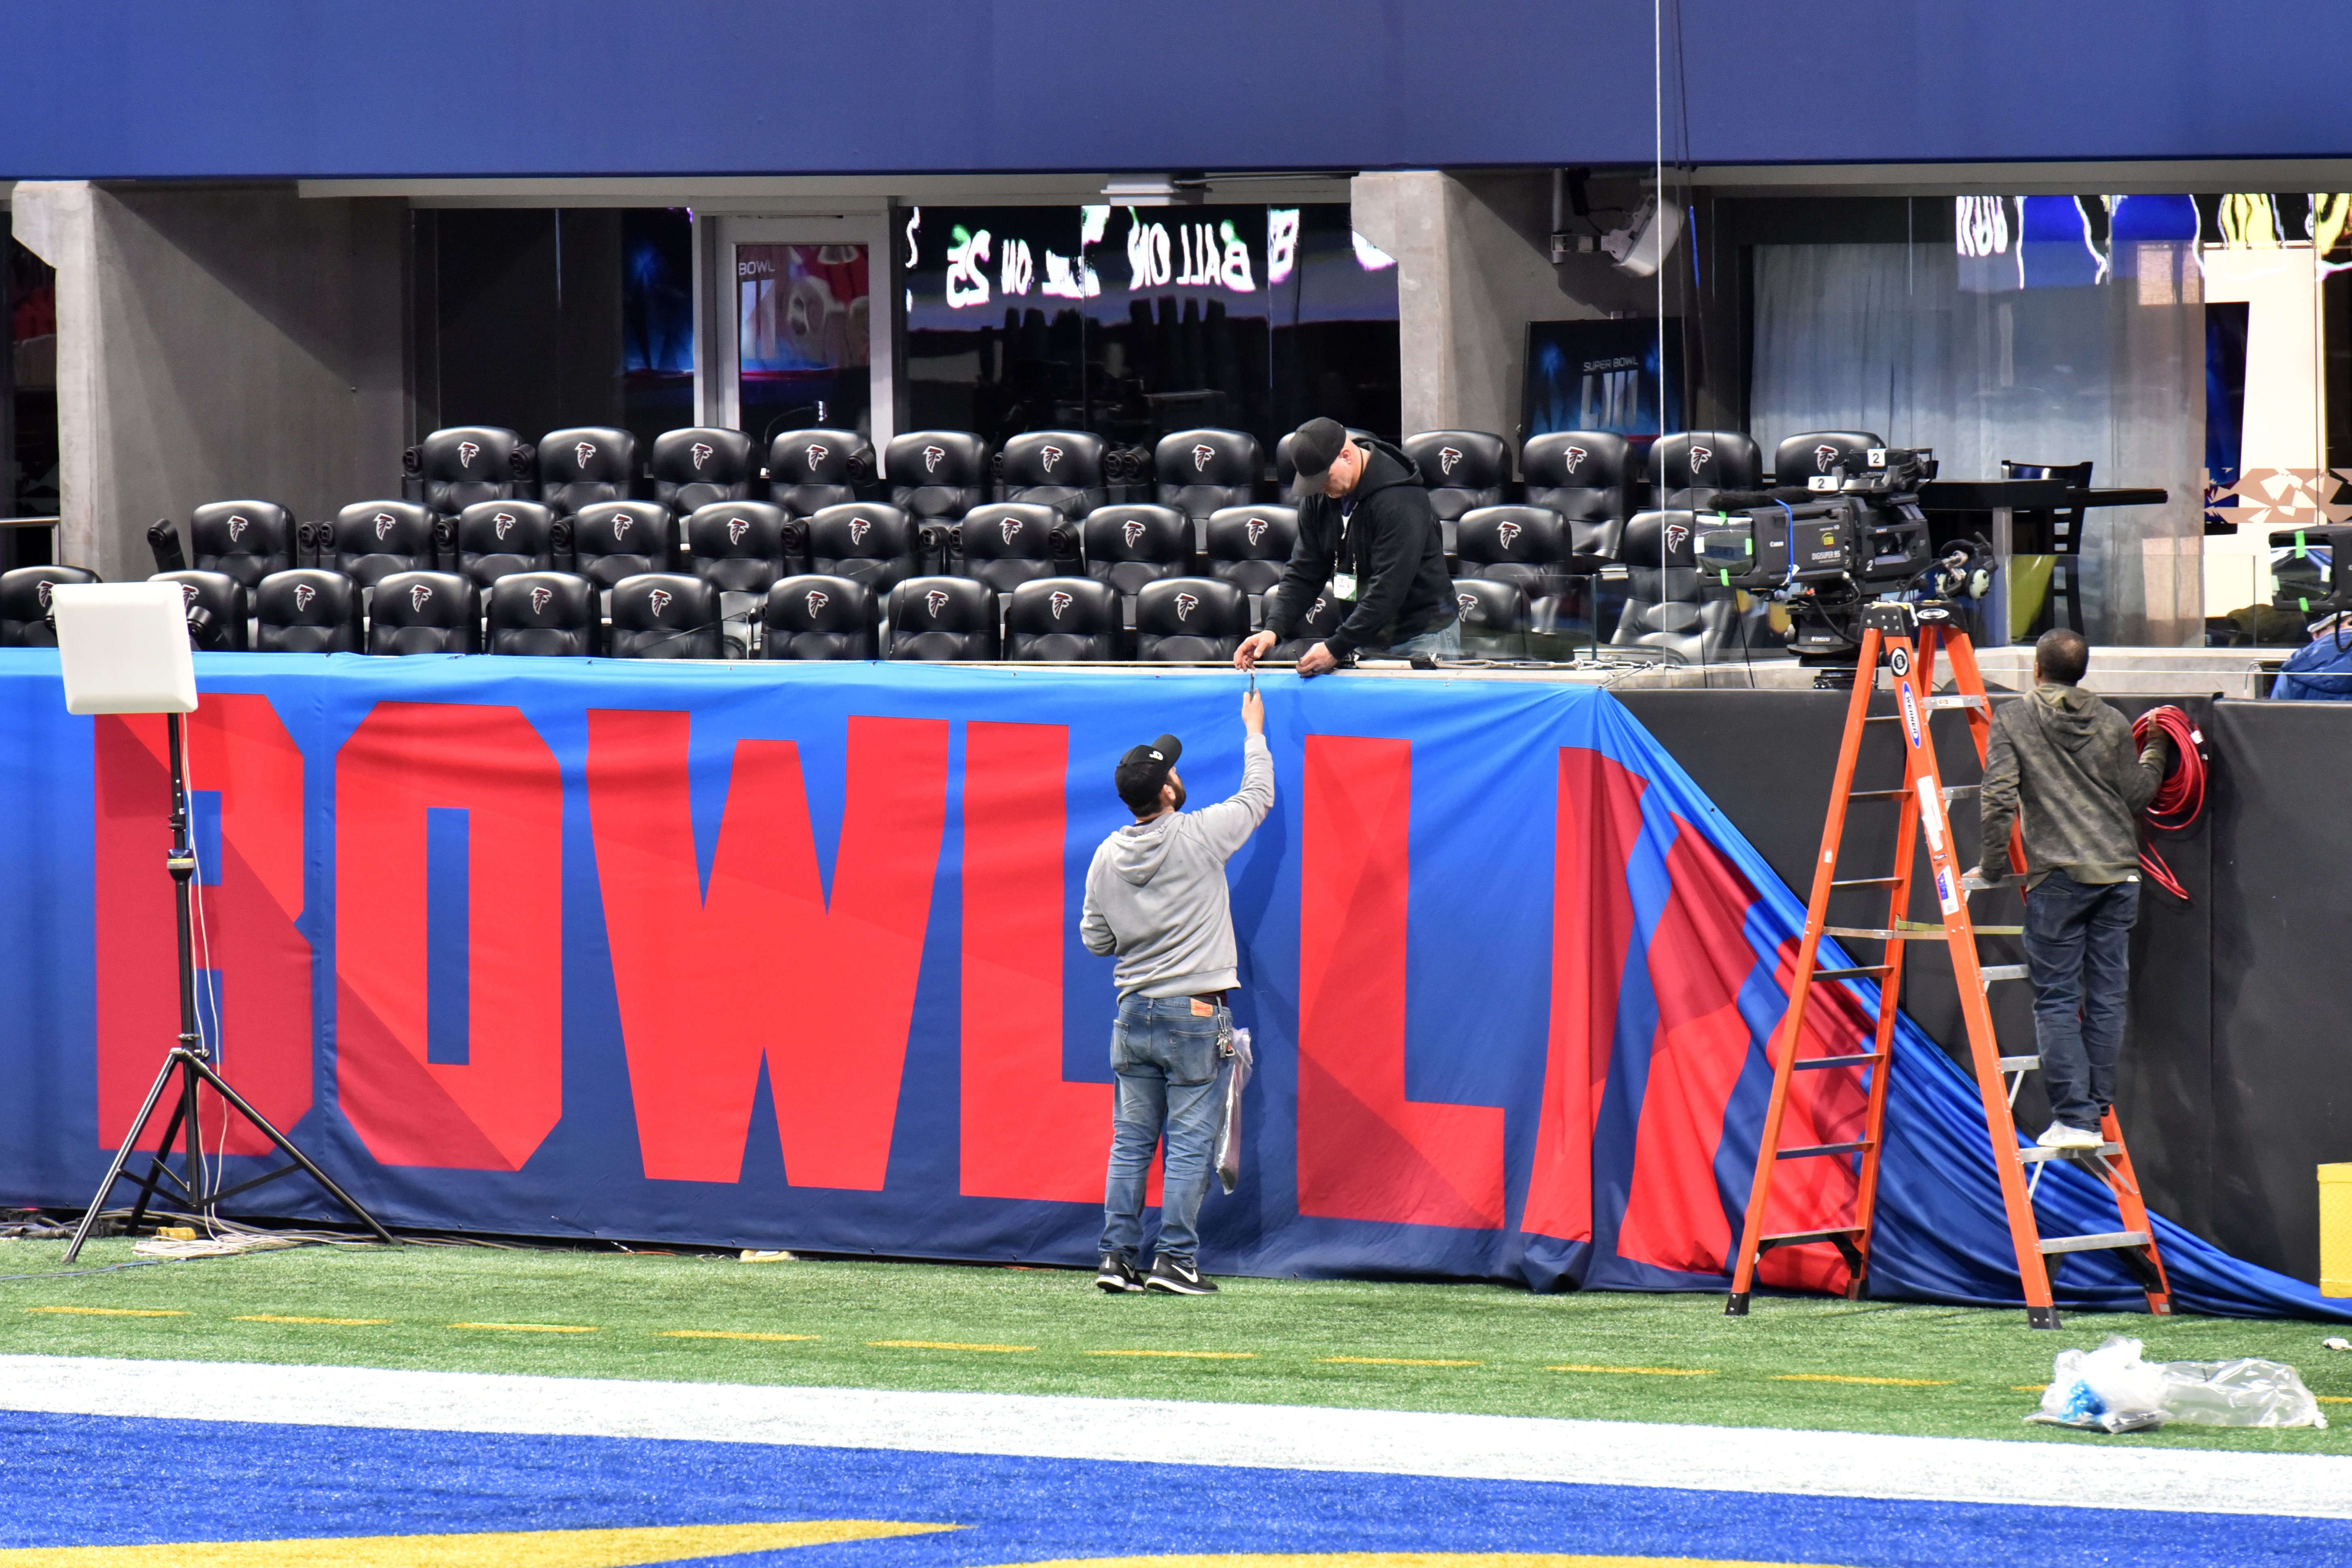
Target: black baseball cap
1312, 450
1144, 769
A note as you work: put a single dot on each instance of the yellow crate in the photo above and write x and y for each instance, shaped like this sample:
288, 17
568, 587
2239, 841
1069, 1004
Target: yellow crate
2336, 1230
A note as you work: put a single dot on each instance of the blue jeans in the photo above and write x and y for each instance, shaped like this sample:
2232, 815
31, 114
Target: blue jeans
1168, 1076
2078, 953
1445, 642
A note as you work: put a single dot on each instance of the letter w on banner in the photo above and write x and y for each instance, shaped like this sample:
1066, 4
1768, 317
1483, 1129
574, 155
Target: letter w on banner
763, 962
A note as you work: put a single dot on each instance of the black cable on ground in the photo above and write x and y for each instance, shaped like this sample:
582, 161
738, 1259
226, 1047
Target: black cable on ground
2180, 800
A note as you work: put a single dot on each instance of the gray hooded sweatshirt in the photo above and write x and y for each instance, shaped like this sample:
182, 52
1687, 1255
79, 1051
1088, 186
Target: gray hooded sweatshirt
1156, 892
2064, 760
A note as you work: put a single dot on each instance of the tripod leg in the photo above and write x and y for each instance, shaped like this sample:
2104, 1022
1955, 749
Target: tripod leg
286, 1145
159, 1169
122, 1155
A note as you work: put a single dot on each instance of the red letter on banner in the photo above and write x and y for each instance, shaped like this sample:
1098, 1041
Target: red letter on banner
706, 981
259, 964
405, 759
1026, 1132
1365, 1152
1600, 817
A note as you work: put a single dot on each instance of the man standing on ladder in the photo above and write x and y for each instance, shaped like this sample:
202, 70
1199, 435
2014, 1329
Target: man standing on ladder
2063, 759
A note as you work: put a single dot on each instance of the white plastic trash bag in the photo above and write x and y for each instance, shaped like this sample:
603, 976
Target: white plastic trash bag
2111, 1389
1229, 1128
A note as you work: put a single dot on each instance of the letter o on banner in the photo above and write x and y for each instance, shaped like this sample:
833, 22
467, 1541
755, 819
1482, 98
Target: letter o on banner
449, 936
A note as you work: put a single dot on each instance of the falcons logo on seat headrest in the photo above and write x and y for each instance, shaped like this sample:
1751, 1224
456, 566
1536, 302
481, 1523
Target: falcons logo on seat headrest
1824, 456
1699, 457
1254, 529
1447, 457
583, 451
1010, 528
43, 591
1469, 603
736, 528
303, 594
857, 527
701, 453
659, 599
466, 453
1507, 532
621, 527
384, 523
932, 457
1200, 455
501, 523
816, 453
817, 598
1047, 456
539, 599
1676, 534
1131, 531
188, 593
933, 602
1058, 601
1315, 609
236, 527
1574, 458
419, 592
1185, 604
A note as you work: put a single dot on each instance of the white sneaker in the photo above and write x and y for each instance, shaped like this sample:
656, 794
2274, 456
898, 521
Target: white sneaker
2059, 1136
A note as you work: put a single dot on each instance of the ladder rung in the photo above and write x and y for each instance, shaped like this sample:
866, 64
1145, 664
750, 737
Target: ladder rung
1957, 699
1992, 972
2029, 1157
1878, 794
1873, 933
1798, 1238
1952, 790
2106, 1242
2021, 1065
1852, 1059
1856, 973
1810, 1150
1881, 717
1996, 930
1865, 882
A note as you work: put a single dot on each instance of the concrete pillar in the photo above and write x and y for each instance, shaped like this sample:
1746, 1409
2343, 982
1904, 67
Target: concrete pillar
217, 344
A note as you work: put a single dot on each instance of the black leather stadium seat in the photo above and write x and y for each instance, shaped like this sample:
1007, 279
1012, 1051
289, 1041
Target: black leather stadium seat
1823, 452
372, 540
25, 604
307, 610
579, 466
665, 615
1494, 618
1249, 545
1522, 545
1689, 467
942, 618
1190, 618
424, 613
1128, 546
614, 539
223, 601
498, 538
698, 465
1006, 544
548, 613
1056, 468
1462, 469
455, 467
1063, 620
738, 547
243, 539
1580, 474
1204, 471
1666, 605
937, 474
815, 616
868, 540
809, 470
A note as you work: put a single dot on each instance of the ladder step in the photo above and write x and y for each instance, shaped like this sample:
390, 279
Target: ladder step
1798, 1238
2030, 1156
1853, 1059
1952, 790
1992, 972
1856, 973
1865, 882
1878, 794
2021, 1065
1958, 699
1873, 933
1995, 930
2108, 1242
1812, 1150
1883, 718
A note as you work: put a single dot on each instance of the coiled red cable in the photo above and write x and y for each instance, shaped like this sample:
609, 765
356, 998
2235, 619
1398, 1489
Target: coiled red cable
2180, 800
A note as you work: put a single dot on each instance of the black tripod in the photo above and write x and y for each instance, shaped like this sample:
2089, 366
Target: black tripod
190, 1064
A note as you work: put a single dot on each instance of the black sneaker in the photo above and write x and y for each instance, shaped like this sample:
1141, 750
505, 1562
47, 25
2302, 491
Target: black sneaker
1178, 1279
1117, 1275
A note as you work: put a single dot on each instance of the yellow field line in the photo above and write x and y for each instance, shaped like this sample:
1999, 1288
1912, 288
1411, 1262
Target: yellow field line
531, 1328
1394, 1361
944, 1344
1641, 1371
2332, 1399
112, 1311
1890, 1382
339, 1322
1185, 1355
726, 1334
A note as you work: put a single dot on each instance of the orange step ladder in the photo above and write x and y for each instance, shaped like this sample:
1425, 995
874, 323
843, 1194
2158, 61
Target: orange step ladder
1908, 640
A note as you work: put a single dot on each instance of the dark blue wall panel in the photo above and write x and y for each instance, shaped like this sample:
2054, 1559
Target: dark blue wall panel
333, 88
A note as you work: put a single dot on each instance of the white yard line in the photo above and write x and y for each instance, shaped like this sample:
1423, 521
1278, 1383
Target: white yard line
1268, 1437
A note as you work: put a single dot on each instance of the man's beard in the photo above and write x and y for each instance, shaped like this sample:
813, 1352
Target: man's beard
1178, 785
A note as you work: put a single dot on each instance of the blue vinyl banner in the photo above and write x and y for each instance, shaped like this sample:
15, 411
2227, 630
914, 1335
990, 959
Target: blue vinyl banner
786, 956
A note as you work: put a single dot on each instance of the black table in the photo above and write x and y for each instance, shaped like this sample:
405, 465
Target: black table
2051, 510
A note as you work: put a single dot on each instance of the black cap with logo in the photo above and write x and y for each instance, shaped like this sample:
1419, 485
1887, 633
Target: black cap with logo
1143, 769
1312, 450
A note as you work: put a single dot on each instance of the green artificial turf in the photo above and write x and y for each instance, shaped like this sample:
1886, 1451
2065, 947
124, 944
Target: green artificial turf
1951, 1371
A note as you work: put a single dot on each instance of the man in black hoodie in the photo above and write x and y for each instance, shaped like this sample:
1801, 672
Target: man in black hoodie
2065, 760
1365, 528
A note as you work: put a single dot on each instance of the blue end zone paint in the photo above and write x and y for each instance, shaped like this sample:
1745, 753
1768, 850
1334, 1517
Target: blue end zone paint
204, 831
448, 936
239, 1482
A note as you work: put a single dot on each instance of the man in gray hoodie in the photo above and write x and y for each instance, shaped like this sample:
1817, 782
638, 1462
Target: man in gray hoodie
2065, 759
1156, 896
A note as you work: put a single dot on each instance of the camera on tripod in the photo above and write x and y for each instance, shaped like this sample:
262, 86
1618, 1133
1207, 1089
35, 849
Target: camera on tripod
2310, 578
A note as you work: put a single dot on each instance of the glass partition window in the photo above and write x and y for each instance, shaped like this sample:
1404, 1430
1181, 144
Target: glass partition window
803, 330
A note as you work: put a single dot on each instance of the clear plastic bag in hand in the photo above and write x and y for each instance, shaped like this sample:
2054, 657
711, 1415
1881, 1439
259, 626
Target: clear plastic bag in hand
1229, 1127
